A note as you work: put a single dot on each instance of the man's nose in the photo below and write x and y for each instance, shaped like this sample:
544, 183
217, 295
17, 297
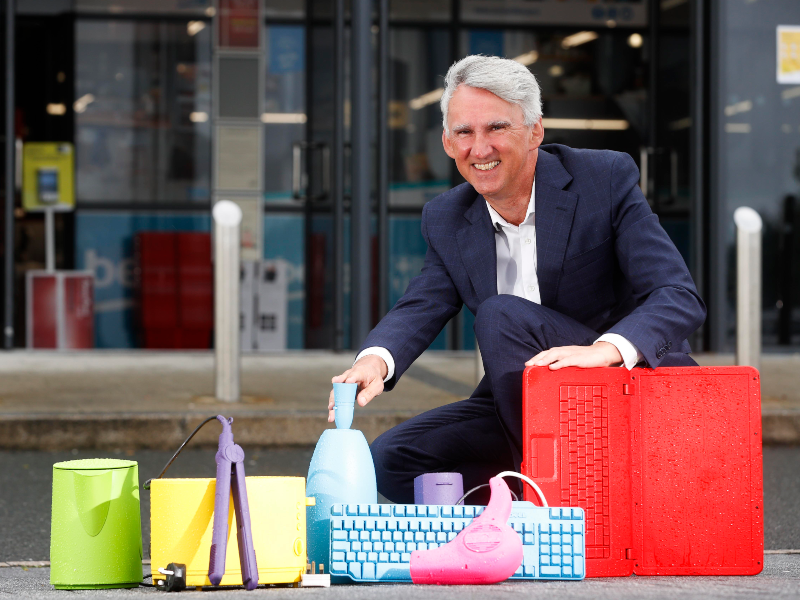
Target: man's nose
481, 147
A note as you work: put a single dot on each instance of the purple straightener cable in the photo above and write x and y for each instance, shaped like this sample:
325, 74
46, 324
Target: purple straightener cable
230, 478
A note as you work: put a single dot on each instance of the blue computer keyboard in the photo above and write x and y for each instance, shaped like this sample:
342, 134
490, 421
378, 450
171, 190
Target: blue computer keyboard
373, 542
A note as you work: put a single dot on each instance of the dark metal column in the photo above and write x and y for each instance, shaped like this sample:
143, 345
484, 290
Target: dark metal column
10, 151
383, 158
361, 118
338, 175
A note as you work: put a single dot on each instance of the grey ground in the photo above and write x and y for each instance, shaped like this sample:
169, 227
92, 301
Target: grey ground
25, 483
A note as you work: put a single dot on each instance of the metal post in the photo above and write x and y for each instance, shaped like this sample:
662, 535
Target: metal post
227, 219
10, 190
748, 287
361, 118
338, 175
383, 158
49, 240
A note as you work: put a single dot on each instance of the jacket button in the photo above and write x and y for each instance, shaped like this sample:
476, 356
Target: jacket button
660, 353
669, 345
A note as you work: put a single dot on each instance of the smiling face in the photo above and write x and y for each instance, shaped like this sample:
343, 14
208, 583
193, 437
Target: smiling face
493, 148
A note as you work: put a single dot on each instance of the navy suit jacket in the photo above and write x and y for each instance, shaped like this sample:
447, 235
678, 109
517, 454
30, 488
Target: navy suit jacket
603, 259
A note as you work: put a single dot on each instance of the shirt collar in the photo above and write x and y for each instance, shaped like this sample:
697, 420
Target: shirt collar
499, 222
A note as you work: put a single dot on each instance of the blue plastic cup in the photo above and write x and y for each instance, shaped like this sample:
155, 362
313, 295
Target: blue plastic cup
344, 398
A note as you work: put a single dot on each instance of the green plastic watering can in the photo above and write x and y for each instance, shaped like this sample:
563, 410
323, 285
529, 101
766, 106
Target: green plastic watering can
96, 530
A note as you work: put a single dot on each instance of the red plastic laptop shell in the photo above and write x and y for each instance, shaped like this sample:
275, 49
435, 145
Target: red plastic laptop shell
666, 462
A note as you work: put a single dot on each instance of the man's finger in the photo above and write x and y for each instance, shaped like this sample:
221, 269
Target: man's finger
374, 388
341, 378
331, 401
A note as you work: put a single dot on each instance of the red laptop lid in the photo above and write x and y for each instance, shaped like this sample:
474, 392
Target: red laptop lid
666, 463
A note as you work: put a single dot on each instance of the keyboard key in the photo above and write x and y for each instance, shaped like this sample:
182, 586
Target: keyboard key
544, 548
396, 571
358, 524
366, 546
337, 524
458, 511
363, 510
425, 526
577, 567
402, 525
372, 556
408, 536
451, 536
392, 526
394, 557
344, 546
340, 568
530, 570
377, 546
555, 549
374, 510
380, 524
479, 511
386, 536
355, 570
430, 537
363, 536
469, 511
566, 571
555, 513
338, 535
548, 570
544, 538
447, 511
555, 539
399, 510
352, 509
413, 525
400, 547
368, 570
410, 547
544, 559
419, 537
519, 571
527, 538
566, 560
361, 557
351, 556
383, 557
348, 524
527, 527
386, 510
369, 524
337, 510
436, 525
388, 546
405, 557
555, 559
352, 536
441, 537
355, 546
397, 536
516, 526
337, 556
422, 546
577, 545
375, 536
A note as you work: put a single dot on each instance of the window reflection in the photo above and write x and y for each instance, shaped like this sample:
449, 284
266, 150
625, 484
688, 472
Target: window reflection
142, 110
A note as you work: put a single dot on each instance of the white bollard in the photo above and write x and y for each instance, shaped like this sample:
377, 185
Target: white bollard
227, 220
748, 287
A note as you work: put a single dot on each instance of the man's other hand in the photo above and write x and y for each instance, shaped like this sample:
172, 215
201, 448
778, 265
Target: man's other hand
601, 354
368, 373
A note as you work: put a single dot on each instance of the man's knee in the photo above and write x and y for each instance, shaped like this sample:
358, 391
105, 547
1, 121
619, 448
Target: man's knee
389, 467
502, 312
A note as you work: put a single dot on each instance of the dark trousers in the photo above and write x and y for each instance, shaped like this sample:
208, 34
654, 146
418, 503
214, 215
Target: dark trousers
481, 436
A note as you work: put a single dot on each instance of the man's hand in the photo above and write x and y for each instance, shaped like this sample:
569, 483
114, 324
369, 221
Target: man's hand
368, 373
601, 354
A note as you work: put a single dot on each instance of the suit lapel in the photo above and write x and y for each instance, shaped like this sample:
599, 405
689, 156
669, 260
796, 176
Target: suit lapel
478, 251
555, 209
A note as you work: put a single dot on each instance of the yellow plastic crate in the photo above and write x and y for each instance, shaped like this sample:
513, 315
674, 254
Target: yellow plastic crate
181, 523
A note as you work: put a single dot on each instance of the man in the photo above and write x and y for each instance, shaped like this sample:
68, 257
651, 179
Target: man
557, 254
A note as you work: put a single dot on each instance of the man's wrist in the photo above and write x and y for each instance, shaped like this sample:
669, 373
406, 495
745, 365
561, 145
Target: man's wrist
384, 355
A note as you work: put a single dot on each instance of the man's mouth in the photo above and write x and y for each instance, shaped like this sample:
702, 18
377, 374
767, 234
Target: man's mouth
486, 166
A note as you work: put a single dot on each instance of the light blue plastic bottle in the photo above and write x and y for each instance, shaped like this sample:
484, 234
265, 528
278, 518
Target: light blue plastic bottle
341, 472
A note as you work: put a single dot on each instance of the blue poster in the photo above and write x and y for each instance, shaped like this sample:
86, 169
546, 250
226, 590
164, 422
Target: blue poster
286, 48
488, 42
104, 245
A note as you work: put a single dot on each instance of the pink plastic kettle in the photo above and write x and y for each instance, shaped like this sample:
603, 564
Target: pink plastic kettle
487, 551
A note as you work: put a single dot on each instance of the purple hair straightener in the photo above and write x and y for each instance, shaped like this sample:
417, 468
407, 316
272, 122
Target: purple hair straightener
230, 479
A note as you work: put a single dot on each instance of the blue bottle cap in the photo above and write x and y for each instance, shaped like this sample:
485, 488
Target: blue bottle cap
344, 397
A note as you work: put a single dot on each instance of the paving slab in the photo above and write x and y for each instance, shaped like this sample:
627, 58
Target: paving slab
145, 399
780, 579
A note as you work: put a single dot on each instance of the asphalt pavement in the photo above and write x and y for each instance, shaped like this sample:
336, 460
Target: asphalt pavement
25, 495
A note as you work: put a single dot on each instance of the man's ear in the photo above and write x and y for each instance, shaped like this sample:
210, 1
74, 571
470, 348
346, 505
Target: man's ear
537, 135
448, 145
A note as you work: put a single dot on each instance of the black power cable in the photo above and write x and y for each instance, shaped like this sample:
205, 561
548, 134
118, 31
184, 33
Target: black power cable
174, 456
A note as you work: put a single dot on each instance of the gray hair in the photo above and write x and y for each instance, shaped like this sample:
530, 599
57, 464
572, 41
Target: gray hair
505, 78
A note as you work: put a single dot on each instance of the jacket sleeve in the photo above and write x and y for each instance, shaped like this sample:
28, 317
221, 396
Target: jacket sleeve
428, 303
668, 307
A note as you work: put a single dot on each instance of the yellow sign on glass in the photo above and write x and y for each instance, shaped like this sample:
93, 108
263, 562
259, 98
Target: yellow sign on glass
48, 176
788, 54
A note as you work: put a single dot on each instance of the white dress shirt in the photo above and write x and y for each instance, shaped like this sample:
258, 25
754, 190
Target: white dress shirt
516, 276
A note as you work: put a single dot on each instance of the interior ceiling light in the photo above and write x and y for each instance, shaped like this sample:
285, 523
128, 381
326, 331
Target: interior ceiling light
556, 71
56, 109
738, 107
586, 124
195, 27
635, 40
81, 103
737, 128
426, 99
528, 58
283, 118
576, 39
198, 117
